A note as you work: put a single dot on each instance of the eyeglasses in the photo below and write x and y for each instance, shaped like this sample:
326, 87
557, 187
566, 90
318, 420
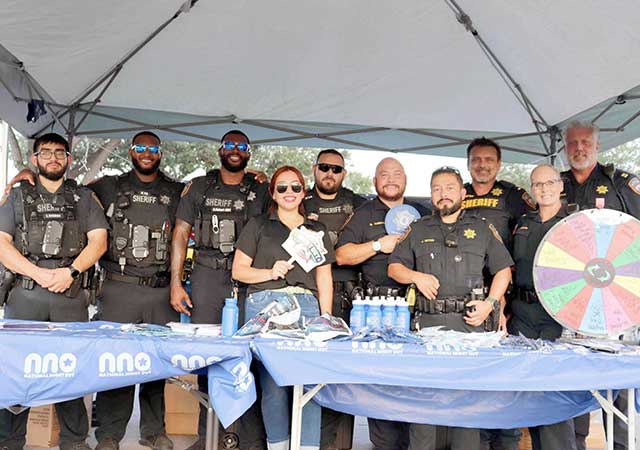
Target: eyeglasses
295, 187
139, 148
46, 153
540, 184
324, 167
230, 145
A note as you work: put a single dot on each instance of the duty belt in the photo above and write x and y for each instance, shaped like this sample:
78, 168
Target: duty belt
213, 263
293, 290
446, 305
386, 291
71, 292
527, 295
157, 280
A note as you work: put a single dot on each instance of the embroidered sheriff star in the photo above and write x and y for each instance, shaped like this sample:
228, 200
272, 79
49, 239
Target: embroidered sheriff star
251, 197
469, 233
602, 189
238, 205
496, 192
165, 199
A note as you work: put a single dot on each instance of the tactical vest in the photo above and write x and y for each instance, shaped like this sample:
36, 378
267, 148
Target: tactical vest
141, 224
49, 227
493, 207
333, 217
219, 220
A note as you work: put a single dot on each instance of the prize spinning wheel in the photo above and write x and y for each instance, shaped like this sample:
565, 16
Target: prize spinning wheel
587, 272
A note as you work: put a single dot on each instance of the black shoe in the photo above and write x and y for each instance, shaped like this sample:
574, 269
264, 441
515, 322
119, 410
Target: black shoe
157, 442
107, 443
82, 445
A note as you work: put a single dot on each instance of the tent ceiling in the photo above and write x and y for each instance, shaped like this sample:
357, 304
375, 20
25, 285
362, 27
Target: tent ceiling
355, 74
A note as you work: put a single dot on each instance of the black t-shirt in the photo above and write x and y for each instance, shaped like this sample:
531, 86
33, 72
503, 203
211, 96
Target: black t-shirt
161, 194
334, 214
367, 224
90, 214
262, 238
458, 268
526, 239
599, 187
502, 206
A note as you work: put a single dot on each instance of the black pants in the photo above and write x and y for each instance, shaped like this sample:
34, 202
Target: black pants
40, 304
388, 434
209, 288
129, 303
531, 320
423, 437
620, 429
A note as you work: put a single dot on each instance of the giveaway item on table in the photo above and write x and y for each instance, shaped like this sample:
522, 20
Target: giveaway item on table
326, 327
282, 313
399, 218
587, 272
478, 340
195, 329
306, 248
390, 335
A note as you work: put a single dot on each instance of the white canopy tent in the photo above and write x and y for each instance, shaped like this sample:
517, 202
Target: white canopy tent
420, 76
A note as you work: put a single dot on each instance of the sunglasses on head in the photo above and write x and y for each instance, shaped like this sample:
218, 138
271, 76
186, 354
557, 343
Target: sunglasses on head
295, 187
230, 145
324, 167
153, 149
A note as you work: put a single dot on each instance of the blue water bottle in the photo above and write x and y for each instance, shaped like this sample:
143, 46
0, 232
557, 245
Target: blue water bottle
374, 314
403, 316
358, 317
388, 312
230, 317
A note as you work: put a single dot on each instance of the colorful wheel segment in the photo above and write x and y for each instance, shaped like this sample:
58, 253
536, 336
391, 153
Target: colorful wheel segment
587, 272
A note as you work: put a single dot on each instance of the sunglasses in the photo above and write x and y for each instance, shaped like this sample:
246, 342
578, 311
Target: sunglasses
447, 169
153, 149
295, 187
324, 167
230, 145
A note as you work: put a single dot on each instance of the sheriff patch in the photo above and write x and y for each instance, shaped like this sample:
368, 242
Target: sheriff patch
496, 192
528, 200
469, 233
185, 191
494, 232
602, 189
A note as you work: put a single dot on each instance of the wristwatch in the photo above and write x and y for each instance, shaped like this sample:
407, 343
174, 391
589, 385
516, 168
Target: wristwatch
376, 246
75, 273
492, 300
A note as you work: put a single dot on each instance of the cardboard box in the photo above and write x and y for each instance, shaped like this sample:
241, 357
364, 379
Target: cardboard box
181, 408
43, 429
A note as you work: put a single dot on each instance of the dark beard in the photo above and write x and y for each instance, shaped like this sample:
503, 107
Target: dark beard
231, 168
325, 191
447, 211
150, 171
51, 175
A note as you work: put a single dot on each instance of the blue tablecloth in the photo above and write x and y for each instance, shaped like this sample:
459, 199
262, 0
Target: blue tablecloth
460, 386
74, 359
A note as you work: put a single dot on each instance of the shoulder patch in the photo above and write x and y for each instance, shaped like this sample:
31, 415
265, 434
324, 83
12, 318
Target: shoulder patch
634, 185
95, 197
494, 232
528, 200
185, 191
4, 199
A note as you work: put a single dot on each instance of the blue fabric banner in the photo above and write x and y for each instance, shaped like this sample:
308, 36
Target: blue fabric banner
42, 366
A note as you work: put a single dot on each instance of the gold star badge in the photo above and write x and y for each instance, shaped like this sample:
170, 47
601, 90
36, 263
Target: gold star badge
602, 189
469, 233
496, 192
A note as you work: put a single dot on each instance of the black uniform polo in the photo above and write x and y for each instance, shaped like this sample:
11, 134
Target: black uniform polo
529, 232
262, 239
89, 211
367, 224
455, 254
161, 193
502, 206
334, 214
613, 190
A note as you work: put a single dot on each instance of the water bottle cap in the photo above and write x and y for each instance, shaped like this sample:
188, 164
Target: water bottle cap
401, 302
358, 301
389, 302
230, 301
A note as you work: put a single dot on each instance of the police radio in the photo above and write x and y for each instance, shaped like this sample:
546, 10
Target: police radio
52, 240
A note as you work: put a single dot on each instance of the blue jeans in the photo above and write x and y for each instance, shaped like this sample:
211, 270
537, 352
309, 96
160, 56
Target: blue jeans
276, 400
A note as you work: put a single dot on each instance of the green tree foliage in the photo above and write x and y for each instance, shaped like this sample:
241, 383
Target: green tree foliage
517, 174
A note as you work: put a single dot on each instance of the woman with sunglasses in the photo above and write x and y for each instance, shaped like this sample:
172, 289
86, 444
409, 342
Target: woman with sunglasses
261, 262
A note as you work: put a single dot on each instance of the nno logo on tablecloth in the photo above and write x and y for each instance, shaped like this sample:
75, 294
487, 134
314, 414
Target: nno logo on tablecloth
50, 365
123, 364
376, 347
193, 362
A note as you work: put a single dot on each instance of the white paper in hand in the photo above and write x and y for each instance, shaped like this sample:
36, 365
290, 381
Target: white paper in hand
306, 248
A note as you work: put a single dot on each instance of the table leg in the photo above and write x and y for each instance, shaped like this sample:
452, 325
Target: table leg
296, 416
213, 429
631, 415
610, 422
